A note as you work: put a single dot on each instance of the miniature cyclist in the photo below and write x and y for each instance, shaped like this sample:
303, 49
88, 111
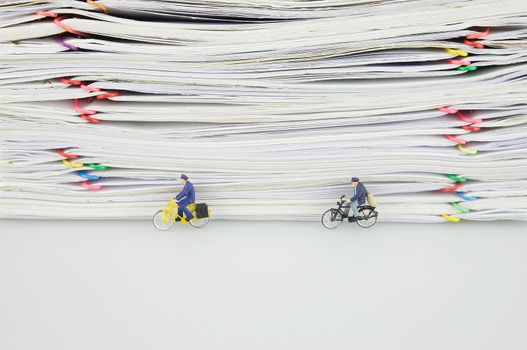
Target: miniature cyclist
184, 198
358, 197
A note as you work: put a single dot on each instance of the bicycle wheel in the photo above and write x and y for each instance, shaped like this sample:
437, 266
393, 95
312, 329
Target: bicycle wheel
163, 221
331, 219
369, 217
198, 223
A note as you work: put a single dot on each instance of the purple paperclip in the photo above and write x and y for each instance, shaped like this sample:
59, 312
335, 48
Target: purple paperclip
66, 45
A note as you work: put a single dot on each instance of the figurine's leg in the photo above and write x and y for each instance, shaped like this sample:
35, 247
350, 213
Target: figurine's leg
354, 208
183, 207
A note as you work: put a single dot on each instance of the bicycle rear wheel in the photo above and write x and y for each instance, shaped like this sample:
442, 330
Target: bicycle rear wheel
331, 219
369, 217
198, 223
162, 221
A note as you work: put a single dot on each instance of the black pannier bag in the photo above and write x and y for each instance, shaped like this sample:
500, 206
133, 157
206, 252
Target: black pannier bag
202, 210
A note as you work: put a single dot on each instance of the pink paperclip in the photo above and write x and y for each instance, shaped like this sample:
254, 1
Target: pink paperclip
87, 185
455, 139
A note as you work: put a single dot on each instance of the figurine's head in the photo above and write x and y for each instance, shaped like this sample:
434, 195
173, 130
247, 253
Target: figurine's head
354, 181
183, 178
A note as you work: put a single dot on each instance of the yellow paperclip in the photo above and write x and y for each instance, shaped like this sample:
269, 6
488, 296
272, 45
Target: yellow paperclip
72, 165
450, 218
466, 150
98, 5
457, 52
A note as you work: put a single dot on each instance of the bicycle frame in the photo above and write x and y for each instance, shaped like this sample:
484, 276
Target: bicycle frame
339, 210
344, 216
171, 211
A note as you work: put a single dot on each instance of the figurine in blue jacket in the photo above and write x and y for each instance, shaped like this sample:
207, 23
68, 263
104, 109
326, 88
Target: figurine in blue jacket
358, 197
185, 197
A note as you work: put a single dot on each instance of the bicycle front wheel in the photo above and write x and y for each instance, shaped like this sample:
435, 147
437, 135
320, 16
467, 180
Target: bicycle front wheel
368, 218
163, 221
331, 219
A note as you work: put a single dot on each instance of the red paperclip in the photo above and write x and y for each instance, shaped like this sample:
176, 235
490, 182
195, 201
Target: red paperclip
86, 184
479, 35
80, 110
70, 82
471, 128
455, 139
473, 44
67, 155
90, 119
461, 116
108, 95
453, 188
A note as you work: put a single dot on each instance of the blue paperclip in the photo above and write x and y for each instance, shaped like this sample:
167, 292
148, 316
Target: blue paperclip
88, 176
462, 195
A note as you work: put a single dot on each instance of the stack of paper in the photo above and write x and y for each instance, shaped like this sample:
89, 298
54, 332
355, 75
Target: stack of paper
269, 107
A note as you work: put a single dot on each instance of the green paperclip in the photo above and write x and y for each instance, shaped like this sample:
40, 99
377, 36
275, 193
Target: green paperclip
456, 178
98, 166
459, 207
467, 68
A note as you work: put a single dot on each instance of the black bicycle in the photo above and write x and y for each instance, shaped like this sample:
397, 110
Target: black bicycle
333, 217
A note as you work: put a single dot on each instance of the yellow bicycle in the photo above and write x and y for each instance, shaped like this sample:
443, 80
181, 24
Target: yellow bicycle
166, 217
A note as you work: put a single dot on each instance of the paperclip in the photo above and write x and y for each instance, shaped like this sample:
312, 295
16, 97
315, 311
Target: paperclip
98, 166
473, 44
90, 88
467, 68
463, 196
453, 188
80, 110
455, 139
66, 45
108, 95
87, 176
58, 22
462, 117
469, 151
71, 164
70, 82
86, 184
67, 155
456, 178
98, 5
471, 127
462, 62
90, 119
47, 14
450, 218
456, 52
448, 110
459, 207
479, 34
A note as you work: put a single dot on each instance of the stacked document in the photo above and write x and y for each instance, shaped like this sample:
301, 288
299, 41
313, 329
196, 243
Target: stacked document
270, 107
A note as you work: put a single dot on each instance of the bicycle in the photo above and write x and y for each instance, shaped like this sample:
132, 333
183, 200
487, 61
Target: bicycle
332, 218
165, 218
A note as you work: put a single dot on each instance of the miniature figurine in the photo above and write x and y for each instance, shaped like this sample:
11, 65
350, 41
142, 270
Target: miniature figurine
358, 198
184, 198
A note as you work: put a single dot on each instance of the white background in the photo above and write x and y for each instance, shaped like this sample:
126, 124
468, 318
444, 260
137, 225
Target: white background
245, 285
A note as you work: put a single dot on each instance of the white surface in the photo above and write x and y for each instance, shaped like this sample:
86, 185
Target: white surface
240, 285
